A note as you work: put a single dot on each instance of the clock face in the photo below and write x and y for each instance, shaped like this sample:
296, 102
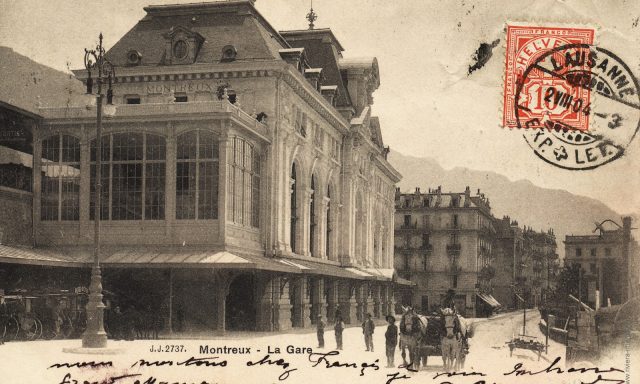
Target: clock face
180, 49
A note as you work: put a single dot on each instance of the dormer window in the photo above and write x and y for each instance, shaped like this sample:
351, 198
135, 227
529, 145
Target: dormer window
180, 49
182, 45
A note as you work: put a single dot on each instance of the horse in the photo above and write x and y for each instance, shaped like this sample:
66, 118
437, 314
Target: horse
451, 340
413, 327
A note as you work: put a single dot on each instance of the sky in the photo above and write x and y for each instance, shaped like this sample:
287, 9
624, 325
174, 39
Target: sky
427, 103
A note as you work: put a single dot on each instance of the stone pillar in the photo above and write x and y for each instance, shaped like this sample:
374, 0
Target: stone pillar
301, 306
331, 291
361, 300
347, 302
318, 300
305, 213
281, 303
377, 303
264, 303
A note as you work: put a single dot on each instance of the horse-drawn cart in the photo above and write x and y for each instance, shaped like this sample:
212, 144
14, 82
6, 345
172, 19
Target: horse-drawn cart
443, 335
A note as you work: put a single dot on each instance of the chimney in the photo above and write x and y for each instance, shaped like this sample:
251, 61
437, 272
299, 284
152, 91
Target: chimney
417, 190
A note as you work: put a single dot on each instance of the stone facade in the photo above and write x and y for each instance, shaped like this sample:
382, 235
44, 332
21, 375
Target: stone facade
608, 263
528, 264
444, 241
223, 139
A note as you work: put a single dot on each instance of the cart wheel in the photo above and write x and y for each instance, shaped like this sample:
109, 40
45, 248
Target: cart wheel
49, 333
30, 328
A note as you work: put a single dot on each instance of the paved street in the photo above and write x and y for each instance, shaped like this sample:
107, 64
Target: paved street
27, 362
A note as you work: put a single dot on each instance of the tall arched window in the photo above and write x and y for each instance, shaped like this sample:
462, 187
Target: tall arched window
197, 176
244, 184
312, 217
60, 198
294, 208
133, 176
328, 228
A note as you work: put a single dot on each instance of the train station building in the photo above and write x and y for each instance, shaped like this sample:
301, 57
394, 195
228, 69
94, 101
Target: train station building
245, 183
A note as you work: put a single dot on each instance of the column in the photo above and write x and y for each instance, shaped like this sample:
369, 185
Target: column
264, 303
377, 302
37, 181
281, 303
319, 304
361, 300
331, 290
223, 183
301, 305
170, 181
347, 302
222, 290
323, 239
305, 212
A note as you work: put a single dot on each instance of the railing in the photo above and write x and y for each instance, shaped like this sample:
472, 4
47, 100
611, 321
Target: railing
487, 272
151, 109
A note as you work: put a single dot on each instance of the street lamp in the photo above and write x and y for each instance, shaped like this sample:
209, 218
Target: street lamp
94, 60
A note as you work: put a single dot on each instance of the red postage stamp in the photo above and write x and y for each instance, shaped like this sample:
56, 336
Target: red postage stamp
540, 95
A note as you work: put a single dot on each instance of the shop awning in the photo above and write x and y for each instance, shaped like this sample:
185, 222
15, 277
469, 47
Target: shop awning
490, 300
142, 258
328, 269
401, 281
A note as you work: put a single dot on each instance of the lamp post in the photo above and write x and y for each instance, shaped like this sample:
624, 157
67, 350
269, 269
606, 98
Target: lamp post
94, 60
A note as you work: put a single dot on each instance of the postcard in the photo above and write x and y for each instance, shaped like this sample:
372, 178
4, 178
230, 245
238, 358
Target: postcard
298, 191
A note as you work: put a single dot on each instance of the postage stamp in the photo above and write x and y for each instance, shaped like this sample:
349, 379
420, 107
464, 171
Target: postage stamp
525, 45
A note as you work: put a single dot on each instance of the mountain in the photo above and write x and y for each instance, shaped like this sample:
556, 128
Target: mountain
539, 208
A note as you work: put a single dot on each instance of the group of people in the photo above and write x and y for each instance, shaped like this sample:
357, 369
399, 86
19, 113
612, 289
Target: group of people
368, 328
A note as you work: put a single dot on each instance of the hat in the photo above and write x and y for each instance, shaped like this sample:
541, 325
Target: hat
389, 317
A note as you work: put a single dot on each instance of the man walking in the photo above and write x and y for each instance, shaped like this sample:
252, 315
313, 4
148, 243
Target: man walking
391, 339
367, 328
320, 331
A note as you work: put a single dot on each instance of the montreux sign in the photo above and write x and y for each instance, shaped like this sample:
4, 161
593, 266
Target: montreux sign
181, 87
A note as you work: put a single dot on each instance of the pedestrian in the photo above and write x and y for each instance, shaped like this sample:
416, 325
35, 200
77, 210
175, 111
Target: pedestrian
320, 330
338, 328
391, 339
367, 328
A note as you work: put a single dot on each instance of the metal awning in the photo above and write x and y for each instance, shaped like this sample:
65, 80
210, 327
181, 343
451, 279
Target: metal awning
142, 258
487, 298
326, 269
401, 281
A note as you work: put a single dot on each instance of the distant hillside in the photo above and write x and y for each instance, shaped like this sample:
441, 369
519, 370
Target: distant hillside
523, 201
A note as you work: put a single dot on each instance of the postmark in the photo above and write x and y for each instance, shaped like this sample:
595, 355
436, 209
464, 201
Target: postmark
524, 46
612, 107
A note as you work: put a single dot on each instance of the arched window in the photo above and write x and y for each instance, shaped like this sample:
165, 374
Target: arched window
133, 176
328, 228
312, 217
60, 198
197, 176
294, 209
244, 184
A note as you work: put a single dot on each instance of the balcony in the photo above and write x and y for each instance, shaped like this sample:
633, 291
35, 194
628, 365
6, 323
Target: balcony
453, 248
409, 226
